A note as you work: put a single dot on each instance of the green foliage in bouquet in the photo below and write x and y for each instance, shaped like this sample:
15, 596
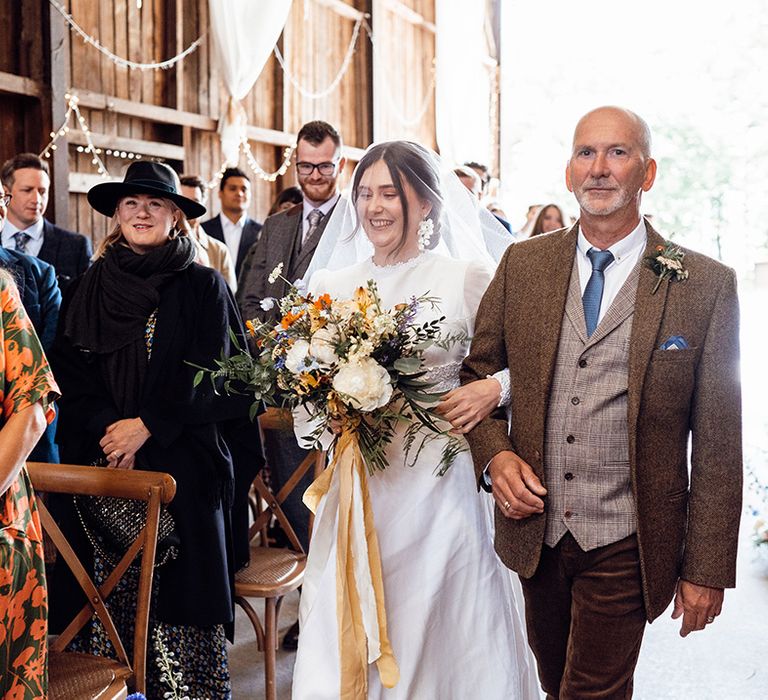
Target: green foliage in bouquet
352, 364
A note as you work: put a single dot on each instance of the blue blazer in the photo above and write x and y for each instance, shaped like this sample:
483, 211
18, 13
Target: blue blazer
251, 233
69, 253
41, 298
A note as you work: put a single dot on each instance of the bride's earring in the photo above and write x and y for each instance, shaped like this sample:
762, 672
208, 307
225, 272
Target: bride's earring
426, 229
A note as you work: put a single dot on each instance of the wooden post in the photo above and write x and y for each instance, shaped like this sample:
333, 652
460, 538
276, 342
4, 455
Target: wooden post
58, 204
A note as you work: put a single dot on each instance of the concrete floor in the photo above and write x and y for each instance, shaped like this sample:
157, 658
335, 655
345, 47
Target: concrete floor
729, 661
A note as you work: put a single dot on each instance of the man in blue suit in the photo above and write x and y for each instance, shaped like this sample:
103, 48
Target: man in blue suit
41, 298
233, 226
27, 179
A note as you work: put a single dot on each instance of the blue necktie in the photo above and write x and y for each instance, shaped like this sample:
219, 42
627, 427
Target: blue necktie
593, 294
21, 238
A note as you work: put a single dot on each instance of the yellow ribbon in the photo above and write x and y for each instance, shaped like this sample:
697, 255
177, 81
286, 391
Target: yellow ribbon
360, 611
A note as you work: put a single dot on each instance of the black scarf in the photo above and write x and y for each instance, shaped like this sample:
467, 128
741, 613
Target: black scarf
109, 310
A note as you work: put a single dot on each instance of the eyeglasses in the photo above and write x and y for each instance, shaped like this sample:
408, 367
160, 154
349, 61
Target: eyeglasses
323, 168
5, 199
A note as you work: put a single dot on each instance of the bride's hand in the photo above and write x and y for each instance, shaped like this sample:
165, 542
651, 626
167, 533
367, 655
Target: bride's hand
467, 405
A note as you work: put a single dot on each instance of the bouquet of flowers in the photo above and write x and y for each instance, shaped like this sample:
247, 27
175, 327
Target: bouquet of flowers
355, 366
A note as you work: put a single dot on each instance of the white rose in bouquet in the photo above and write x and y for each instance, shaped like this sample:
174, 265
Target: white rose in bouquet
365, 385
296, 356
321, 346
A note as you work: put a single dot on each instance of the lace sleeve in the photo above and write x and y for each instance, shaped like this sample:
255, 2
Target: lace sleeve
502, 377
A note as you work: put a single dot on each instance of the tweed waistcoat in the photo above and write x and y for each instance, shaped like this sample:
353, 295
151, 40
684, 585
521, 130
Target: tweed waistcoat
586, 458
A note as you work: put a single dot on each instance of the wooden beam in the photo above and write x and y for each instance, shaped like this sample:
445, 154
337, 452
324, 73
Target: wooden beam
19, 85
60, 77
154, 113
120, 143
80, 183
177, 117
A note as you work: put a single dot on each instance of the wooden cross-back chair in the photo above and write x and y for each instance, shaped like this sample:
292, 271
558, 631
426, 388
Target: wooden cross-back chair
74, 675
273, 571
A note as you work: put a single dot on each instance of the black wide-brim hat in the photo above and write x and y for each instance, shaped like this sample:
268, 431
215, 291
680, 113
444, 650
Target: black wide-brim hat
143, 177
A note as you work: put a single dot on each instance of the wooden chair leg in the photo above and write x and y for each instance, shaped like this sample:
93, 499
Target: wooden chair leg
270, 647
255, 622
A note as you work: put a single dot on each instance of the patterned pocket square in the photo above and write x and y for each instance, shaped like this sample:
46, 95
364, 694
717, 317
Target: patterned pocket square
675, 342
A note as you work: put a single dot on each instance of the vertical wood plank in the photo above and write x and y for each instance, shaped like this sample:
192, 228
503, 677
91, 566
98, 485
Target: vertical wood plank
58, 203
122, 88
107, 37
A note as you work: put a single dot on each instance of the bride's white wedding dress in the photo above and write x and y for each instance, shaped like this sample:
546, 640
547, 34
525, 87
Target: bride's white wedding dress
454, 618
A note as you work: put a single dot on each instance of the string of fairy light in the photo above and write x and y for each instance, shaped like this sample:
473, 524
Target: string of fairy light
244, 146
63, 130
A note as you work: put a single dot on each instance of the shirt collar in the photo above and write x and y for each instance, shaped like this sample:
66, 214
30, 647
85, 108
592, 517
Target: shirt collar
226, 221
35, 231
325, 207
621, 249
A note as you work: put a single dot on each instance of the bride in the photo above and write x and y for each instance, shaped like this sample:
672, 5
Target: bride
451, 606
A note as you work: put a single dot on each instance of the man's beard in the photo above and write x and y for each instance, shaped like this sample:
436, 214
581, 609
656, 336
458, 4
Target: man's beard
619, 199
319, 192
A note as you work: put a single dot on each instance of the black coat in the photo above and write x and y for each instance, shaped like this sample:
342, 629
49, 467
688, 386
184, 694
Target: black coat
195, 313
251, 234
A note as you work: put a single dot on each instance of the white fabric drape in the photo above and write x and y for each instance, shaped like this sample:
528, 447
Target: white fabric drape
462, 82
244, 34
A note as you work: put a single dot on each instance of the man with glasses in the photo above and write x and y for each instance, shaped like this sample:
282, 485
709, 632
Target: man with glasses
40, 295
290, 237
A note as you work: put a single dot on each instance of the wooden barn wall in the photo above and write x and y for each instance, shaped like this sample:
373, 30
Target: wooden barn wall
404, 70
172, 114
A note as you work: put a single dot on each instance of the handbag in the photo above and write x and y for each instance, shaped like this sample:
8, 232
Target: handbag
112, 524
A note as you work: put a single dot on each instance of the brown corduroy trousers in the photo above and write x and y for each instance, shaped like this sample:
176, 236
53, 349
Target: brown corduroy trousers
586, 617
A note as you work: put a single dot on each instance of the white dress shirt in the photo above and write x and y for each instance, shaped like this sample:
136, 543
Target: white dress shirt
35, 242
233, 232
325, 207
626, 253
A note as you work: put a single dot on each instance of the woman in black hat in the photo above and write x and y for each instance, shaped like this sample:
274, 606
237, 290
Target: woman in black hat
128, 331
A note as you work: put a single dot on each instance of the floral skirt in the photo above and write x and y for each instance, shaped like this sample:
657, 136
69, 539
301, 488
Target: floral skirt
23, 618
193, 659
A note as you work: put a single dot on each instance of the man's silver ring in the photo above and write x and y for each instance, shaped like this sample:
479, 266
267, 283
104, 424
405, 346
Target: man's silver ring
507, 505
710, 619
116, 454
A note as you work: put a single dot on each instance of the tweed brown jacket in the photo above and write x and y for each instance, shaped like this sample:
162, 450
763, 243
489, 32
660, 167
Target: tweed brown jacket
687, 528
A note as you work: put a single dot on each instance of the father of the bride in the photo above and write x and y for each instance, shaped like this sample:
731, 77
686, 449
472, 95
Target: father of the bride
620, 348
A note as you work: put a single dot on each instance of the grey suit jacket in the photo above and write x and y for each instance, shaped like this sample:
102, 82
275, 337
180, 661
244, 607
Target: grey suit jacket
279, 243
686, 527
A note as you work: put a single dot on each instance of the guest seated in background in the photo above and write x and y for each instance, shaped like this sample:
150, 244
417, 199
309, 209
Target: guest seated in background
233, 226
130, 329
26, 177
287, 198
39, 291
549, 218
28, 390
210, 252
